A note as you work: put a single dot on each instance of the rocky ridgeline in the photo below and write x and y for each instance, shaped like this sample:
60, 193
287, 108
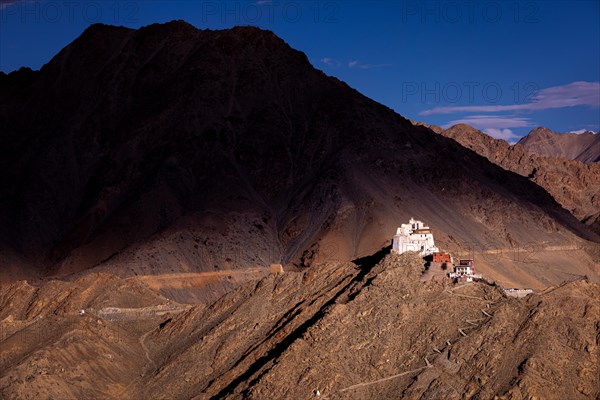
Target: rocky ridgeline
573, 184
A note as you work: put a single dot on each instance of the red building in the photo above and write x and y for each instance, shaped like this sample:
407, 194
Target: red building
468, 262
442, 258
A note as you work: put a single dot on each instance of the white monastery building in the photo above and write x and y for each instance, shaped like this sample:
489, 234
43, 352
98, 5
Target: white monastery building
465, 269
414, 236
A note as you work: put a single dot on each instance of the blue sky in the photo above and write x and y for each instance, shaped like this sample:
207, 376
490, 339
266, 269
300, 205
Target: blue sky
501, 66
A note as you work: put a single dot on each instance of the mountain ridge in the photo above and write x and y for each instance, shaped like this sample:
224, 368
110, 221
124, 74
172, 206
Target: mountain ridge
172, 149
146, 170
584, 147
572, 183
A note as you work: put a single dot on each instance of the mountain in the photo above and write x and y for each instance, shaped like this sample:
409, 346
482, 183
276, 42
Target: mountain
145, 170
572, 183
584, 147
173, 150
349, 331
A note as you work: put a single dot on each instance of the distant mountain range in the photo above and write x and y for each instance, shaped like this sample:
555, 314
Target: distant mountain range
584, 147
573, 184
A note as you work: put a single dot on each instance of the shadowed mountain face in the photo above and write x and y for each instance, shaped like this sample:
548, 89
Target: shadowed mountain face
175, 149
584, 147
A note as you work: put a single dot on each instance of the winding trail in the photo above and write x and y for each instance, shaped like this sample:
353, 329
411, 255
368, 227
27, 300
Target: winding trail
387, 378
142, 341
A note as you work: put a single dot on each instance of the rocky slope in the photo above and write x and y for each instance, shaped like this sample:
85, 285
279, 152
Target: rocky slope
170, 149
349, 331
573, 184
584, 147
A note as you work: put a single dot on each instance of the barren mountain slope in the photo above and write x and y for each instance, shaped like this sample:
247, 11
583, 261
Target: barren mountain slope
573, 184
350, 332
170, 149
584, 147
48, 350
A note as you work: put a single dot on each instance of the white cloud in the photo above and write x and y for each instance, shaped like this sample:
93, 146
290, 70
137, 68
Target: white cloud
571, 95
505, 134
331, 62
484, 122
334, 63
580, 131
358, 64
